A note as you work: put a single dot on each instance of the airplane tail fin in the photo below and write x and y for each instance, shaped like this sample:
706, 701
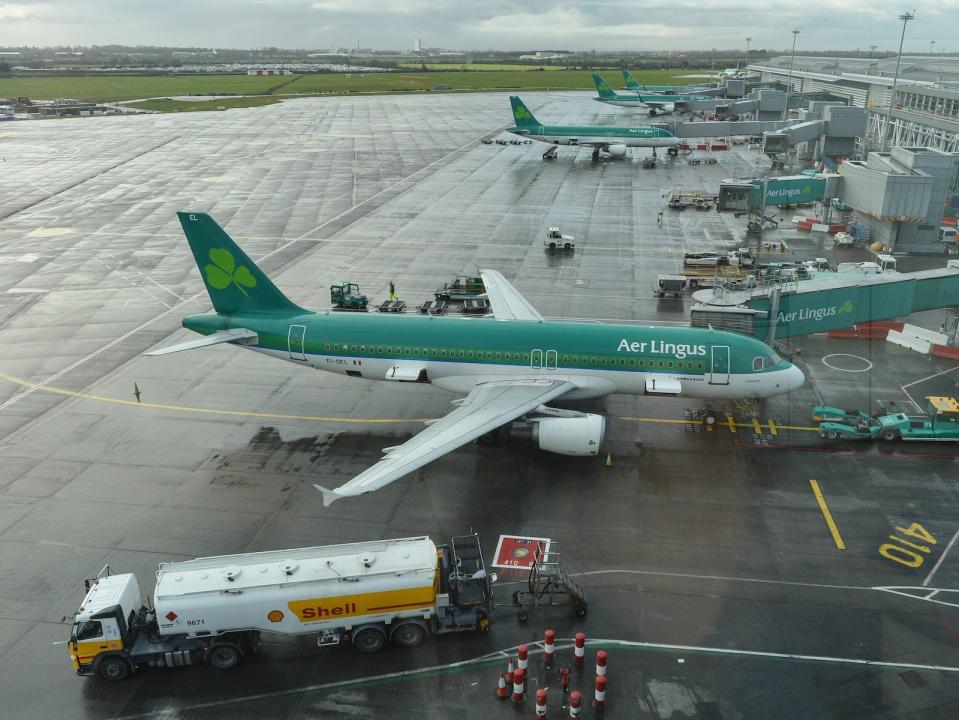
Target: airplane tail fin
232, 279
602, 87
631, 82
521, 114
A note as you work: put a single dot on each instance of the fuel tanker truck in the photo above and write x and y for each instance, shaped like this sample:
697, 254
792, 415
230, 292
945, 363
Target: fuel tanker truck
214, 609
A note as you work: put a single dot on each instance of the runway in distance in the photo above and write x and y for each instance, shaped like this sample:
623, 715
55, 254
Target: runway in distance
655, 103
633, 84
508, 367
613, 140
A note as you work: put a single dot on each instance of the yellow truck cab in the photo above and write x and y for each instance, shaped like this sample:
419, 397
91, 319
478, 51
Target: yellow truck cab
102, 625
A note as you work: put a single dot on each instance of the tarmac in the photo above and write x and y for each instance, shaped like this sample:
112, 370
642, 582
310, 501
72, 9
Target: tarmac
737, 571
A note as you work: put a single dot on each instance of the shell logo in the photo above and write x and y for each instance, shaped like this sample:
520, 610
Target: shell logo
275, 615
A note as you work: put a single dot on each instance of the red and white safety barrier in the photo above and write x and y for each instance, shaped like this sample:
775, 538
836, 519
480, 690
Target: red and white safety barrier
501, 691
541, 703
549, 645
522, 657
579, 650
575, 704
601, 662
599, 697
519, 689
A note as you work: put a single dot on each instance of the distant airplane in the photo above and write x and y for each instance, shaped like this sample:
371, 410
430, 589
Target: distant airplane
661, 103
508, 367
613, 140
638, 87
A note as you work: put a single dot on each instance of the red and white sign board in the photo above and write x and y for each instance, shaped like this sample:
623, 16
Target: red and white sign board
518, 552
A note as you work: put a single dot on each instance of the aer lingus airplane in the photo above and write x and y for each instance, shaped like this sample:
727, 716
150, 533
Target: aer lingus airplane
507, 368
613, 140
662, 103
638, 87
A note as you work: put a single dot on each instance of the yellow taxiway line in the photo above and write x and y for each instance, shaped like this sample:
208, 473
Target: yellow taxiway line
729, 422
836, 537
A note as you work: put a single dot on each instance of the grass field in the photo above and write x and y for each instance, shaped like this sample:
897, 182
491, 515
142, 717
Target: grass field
167, 105
99, 88
467, 66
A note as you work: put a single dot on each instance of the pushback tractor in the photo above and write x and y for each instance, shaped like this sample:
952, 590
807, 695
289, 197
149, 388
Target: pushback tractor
213, 610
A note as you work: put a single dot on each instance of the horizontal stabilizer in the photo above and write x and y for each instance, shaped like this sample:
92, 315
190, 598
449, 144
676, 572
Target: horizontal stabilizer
234, 335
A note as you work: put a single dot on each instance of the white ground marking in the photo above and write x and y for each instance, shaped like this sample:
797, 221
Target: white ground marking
923, 593
138, 328
920, 380
536, 648
825, 361
942, 557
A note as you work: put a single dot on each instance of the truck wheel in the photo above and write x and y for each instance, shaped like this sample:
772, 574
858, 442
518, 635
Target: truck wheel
369, 640
408, 634
890, 435
581, 611
552, 246
224, 657
113, 668
831, 435
693, 283
567, 246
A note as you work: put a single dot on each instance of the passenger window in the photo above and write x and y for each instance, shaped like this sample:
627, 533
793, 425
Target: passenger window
470, 354
389, 350
443, 352
574, 360
661, 364
602, 361
326, 346
525, 356
380, 349
565, 358
336, 346
462, 354
632, 362
353, 348
497, 356
592, 361
489, 356
89, 630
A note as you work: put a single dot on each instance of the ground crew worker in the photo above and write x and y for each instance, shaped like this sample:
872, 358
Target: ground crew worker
392, 291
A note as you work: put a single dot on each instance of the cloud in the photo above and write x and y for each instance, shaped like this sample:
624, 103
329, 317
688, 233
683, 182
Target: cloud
380, 7
10, 11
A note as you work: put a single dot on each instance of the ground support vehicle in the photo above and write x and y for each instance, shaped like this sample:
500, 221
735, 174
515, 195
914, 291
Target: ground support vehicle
346, 296
476, 306
432, 307
556, 240
649, 162
462, 287
670, 286
392, 306
939, 423
707, 276
553, 581
214, 609
741, 257
828, 412
682, 199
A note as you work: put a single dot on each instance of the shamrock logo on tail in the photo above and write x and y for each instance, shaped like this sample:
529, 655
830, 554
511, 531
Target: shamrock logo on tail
224, 272
521, 113
846, 307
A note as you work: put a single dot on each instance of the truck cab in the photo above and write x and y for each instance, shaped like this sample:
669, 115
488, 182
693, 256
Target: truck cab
102, 627
556, 239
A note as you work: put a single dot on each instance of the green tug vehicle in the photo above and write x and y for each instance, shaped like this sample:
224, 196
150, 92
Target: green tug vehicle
939, 423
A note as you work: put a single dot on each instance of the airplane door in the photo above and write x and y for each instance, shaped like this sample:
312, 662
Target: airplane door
551, 359
536, 359
297, 340
719, 374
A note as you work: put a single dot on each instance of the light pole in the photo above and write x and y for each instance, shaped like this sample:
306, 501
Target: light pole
905, 17
789, 82
931, 43
748, 40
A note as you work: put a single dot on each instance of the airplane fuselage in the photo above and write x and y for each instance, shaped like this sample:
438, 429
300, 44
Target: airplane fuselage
457, 353
572, 135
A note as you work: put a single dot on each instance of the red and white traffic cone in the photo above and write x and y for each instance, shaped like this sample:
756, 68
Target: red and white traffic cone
601, 662
522, 657
579, 650
541, 703
501, 692
549, 646
519, 689
575, 704
599, 697
509, 664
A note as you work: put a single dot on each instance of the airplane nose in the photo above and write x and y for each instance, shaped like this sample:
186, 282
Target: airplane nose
794, 378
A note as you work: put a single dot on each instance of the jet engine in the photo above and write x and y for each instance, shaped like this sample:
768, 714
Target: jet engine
570, 435
616, 150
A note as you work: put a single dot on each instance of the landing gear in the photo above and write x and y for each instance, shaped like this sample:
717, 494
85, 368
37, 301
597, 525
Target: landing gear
595, 154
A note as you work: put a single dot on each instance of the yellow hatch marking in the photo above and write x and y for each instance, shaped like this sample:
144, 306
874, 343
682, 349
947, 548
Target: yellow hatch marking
773, 430
756, 429
837, 538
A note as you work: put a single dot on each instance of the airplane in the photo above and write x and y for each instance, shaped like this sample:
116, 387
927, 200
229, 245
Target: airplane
638, 87
613, 140
661, 103
509, 367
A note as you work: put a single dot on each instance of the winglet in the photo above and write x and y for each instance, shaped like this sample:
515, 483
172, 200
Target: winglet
329, 496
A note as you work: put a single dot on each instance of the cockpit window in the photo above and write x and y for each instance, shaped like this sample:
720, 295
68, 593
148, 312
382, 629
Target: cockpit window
764, 362
88, 630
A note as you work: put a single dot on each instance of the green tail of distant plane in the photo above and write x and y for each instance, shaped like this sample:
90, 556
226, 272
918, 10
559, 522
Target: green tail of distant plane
234, 281
521, 114
631, 82
603, 88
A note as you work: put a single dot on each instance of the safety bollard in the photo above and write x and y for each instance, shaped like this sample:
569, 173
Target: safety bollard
599, 698
575, 704
519, 689
501, 692
601, 662
541, 703
579, 650
564, 678
522, 657
549, 645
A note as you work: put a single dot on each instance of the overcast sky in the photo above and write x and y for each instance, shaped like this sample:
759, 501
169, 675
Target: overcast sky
480, 24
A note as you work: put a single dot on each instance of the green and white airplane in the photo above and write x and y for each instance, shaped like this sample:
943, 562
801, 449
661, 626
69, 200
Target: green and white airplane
613, 140
638, 87
507, 368
660, 103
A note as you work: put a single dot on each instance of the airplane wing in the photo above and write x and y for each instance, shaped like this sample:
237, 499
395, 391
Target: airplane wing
505, 300
488, 406
234, 335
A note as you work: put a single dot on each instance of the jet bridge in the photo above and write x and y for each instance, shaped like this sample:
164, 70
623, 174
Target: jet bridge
861, 293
